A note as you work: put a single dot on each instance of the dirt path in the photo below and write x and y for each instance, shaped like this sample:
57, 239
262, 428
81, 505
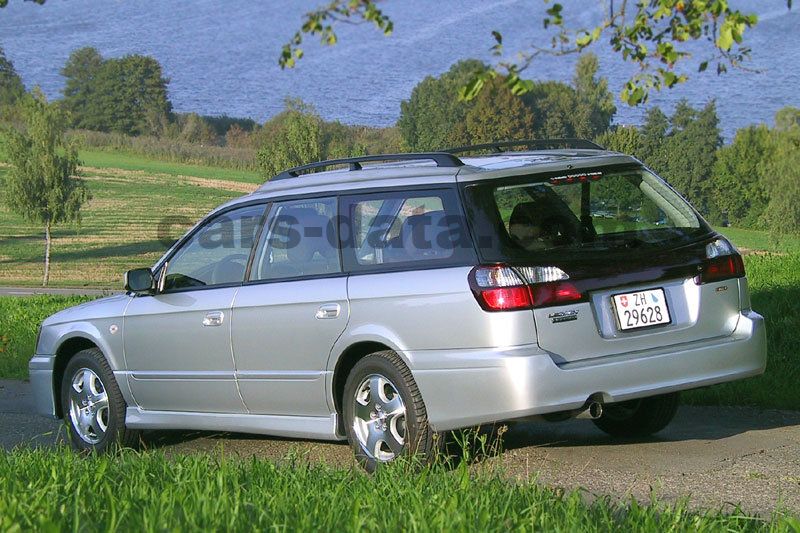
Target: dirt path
718, 457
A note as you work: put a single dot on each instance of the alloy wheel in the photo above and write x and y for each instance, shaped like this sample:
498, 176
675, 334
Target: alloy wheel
88, 406
379, 419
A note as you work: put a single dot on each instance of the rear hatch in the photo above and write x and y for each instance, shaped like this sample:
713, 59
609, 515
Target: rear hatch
613, 257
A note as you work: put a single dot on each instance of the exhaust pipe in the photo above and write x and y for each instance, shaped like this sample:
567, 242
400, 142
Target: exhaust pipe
595, 410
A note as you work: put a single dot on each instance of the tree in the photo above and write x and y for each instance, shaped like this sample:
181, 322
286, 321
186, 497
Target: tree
595, 107
787, 118
195, 129
497, 115
11, 87
738, 194
298, 135
692, 152
624, 139
433, 118
653, 34
781, 178
124, 95
42, 185
296, 139
81, 72
131, 92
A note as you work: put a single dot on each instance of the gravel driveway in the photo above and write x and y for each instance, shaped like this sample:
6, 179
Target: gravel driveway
718, 457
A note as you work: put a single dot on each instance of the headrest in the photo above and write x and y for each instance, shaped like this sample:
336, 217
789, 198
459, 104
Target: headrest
421, 235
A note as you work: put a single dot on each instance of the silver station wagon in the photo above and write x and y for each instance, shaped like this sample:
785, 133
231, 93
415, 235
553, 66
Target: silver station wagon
390, 298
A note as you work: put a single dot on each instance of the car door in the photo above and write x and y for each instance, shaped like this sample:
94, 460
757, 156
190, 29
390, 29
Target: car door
177, 341
288, 315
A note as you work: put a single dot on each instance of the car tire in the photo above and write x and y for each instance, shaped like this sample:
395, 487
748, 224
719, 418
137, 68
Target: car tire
384, 414
639, 418
94, 409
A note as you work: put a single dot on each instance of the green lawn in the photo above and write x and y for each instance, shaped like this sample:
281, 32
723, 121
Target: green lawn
102, 159
19, 322
61, 491
122, 227
756, 240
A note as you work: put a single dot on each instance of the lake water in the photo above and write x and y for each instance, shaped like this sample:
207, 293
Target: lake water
221, 57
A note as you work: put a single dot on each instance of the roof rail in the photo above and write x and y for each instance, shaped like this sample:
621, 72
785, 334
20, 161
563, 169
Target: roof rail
442, 159
534, 144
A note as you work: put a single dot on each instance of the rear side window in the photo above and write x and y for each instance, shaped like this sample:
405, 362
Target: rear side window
299, 240
404, 229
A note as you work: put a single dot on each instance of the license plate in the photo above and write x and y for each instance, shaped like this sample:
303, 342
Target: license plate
641, 309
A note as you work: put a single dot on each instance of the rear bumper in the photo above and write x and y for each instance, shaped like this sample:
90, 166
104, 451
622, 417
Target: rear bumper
466, 388
41, 374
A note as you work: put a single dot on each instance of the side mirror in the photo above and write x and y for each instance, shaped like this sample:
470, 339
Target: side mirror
140, 281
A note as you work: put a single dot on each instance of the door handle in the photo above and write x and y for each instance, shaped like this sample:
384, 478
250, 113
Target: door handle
214, 318
328, 311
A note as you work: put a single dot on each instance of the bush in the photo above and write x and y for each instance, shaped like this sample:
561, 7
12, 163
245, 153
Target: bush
176, 151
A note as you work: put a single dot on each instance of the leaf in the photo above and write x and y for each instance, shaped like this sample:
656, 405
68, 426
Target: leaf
703, 66
497, 36
583, 40
725, 39
471, 89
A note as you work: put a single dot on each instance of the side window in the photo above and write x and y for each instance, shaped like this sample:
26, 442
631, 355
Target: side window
408, 227
217, 253
300, 239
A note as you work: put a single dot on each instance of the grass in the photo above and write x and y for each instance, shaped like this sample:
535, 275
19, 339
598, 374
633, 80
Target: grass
60, 491
761, 241
120, 227
19, 322
775, 293
124, 161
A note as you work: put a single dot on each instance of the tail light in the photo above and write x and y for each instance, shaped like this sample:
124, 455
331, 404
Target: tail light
722, 262
503, 288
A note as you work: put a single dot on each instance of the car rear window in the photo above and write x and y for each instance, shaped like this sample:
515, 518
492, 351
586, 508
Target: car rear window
585, 212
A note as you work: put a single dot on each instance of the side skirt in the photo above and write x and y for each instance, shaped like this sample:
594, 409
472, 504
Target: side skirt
302, 427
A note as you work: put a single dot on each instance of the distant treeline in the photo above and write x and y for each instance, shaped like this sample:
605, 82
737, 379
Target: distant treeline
122, 104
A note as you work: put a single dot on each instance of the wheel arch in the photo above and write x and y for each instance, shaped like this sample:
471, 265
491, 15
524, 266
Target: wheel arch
344, 363
65, 351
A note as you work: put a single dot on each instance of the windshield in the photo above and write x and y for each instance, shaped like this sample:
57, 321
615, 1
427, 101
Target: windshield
583, 212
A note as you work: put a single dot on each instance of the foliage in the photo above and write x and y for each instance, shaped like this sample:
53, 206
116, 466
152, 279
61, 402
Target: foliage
223, 123
81, 73
692, 147
165, 149
681, 148
787, 118
124, 95
41, 185
298, 136
11, 87
595, 104
321, 22
192, 128
55, 490
623, 139
655, 35
497, 115
739, 194
433, 118
20, 319
781, 178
